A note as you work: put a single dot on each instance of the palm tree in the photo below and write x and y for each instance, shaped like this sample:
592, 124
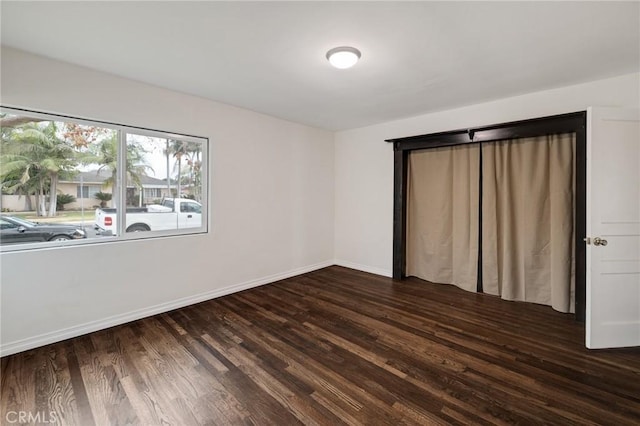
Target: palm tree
12, 183
14, 179
190, 151
103, 197
195, 169
178, 148
105, 153
34, 152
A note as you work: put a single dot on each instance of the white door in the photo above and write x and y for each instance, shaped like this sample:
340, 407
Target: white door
613, 216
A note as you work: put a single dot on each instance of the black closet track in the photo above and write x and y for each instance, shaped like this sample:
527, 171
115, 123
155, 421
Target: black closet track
564, 123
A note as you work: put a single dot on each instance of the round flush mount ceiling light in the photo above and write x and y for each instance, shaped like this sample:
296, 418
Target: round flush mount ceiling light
343, 57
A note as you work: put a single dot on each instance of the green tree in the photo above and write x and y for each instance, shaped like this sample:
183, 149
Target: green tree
190, 153
34, 152
177, 149
13, 180
13, 183
105, 154
104, 197
64, 199
194, 163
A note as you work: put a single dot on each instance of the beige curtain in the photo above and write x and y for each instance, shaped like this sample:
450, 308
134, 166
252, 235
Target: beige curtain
528, 217
442, 215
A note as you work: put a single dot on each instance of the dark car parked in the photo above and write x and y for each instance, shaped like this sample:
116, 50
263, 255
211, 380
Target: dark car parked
16, 230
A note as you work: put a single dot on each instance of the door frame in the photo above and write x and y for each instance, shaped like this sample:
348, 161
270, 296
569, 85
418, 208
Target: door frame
575, 122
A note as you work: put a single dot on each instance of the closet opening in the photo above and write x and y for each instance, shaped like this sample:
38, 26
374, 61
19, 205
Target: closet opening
498, 134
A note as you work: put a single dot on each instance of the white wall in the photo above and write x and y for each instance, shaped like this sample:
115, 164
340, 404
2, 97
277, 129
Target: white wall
280, 191
15, 203
364, 162
271, 192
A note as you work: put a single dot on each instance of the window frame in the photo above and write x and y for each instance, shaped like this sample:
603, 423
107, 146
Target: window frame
156, 191
81, 188
122, 131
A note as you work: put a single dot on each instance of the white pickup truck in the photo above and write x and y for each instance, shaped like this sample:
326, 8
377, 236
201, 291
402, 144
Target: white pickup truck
172, 213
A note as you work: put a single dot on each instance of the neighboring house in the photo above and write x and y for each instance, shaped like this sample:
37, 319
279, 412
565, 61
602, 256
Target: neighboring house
85, 185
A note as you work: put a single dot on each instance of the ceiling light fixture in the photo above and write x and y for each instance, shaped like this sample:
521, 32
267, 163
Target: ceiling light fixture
343, 57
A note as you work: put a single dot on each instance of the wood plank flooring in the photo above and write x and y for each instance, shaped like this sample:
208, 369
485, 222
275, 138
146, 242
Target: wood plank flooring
334, 346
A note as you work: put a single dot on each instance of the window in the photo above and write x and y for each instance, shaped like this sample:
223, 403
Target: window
188, 207
87, 191
150, 193
129, 183
5, 224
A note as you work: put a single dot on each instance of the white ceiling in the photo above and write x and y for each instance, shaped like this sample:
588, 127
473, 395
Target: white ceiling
269, 57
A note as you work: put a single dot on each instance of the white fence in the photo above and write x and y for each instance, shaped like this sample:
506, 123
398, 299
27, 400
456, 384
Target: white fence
16, 203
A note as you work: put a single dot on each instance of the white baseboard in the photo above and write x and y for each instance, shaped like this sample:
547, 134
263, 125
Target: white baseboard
364, 268
75, 331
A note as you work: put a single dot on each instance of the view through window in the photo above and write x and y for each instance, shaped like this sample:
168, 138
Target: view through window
64, 179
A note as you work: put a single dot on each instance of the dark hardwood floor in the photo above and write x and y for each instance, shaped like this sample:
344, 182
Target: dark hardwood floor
330, 347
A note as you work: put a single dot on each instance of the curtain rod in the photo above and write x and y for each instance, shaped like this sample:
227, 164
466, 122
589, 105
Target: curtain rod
516, 129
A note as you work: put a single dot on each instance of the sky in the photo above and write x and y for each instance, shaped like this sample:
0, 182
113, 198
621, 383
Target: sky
154, 147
